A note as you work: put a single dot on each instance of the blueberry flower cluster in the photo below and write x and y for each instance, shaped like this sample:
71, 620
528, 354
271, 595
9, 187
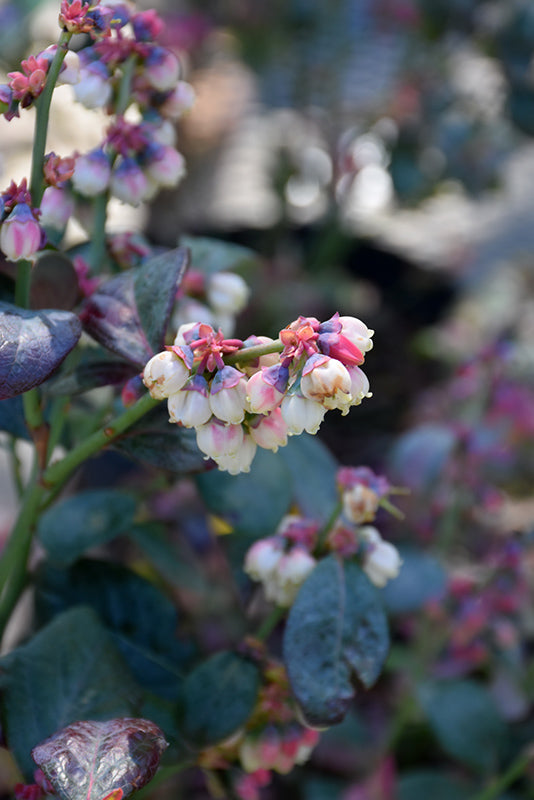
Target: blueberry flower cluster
123, 70
276, 388
281, 563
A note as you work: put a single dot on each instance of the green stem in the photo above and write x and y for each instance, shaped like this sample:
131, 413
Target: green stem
502, 782
125, 89
33, 413
42, 105
329, 524
15, 557
57, 474
22, 286
250, 353
269, 624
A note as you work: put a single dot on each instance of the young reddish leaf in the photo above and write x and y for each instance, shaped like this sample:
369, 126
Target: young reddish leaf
34, 343
336, 628
91, 760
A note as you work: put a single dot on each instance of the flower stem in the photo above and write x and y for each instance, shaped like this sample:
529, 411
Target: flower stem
125, 89
327, 527
42, 105
22, 285
502, 782
57, 474
250, 353
270, 623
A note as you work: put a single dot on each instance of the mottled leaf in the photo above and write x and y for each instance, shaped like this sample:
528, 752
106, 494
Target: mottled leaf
219, 697
155, 441
54, 283
34, 343
69, 670
156, 282
128, 605
336, 630
465, 720
313, 470
91, 760
252, 503
84, 520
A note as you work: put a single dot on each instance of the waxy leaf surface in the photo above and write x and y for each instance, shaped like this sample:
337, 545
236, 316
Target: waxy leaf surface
313, 470
33, 345
69, 670
219, 697
129, 313
91, 760
336, 631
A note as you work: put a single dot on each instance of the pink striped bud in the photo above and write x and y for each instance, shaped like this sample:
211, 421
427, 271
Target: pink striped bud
93, 89
57, 207
270, 431
20, 234
357, 332
162, 69
179, 102
128, 182
266, 388
166, 167
216, 439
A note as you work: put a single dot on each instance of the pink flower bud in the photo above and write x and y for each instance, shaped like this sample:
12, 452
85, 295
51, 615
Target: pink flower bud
128, 182
357, 332
262, 558
218, 440
291, 572
239, 461
70, 69
227, 292
266, 388
20, 234
228, 394
166, 167
327, 381
92, 172
270, 431
57, 207
301, 414
165, 374
190, 406
180, 100
162, 69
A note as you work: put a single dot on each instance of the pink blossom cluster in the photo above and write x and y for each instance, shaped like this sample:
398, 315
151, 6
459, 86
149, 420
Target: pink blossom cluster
135, 159
259, 402
281, 563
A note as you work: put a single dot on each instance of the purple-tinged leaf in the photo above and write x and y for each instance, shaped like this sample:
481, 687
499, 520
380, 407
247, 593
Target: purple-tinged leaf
156, 282
336, 629
110, 316
129, 313
91, 375
33, 345
91, 760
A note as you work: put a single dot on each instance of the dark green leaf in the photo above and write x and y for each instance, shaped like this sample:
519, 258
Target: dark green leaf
70, 670
422, 578
336, 630
212, 255
155, 286
90, 760
128, 605
422, 785
313, 470
91, 374
87, 519
219, 697
34, 343
465, 721
157, 442
54, 283
252, 503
